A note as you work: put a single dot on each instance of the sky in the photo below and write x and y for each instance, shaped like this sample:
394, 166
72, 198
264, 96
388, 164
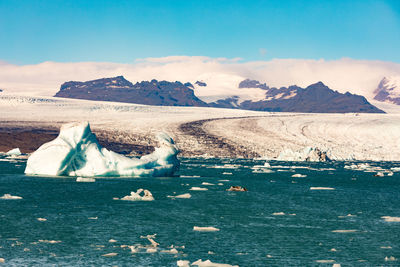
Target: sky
32, 32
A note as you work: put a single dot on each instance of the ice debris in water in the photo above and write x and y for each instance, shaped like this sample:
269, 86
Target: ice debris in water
41, 219
205, 229
298, 175
8, 196
187, 195
391, 219
208, 263
183, 263
85, 179
196, 188
391, 258
14, 152
136, 196
112, 254
76, 152
322, 188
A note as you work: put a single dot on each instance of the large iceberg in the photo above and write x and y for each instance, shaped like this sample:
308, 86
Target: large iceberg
76, 152
307, 154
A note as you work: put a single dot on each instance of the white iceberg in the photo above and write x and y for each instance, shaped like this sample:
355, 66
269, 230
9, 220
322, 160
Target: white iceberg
8, 196
14, 152
208, 263
205, 229
76, 152
136, 196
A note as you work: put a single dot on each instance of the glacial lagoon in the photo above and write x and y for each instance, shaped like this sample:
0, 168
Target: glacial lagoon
293, 214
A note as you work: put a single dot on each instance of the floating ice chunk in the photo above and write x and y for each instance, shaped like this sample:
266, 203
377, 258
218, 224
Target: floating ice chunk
151, 250
195, 188
205, 229
49, 241
41, 219
183, 263
76, 152
387, 247
344, 231
170, 251
93, 218
267, 165
278, 213
8, 196
208, 263
205, 183
298, 175
391, 258
336, 265
226, 173
151, 238
112, 254
2, 260
189, 176
325, 261
187, 195
112, 240
85, 180
322, 188
395, 169
136, 196
391, 219
14, 152
237, 188
380, 174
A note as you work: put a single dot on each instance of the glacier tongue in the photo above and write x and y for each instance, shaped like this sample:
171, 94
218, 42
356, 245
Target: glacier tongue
76, 152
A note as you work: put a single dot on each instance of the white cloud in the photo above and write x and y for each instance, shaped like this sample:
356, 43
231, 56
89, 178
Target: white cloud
357, 76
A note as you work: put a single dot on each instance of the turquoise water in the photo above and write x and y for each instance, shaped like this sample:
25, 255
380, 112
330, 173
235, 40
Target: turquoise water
250, 234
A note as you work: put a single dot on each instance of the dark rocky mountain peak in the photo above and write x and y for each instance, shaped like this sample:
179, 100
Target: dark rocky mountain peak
200, 83
119, 89
252, 84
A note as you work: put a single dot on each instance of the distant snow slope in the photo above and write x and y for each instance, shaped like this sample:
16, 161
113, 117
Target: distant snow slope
362, 137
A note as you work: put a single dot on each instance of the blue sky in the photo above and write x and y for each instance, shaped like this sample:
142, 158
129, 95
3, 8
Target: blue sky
122, 31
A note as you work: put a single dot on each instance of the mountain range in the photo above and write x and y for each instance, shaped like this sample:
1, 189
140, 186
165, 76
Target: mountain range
388, 90
316, 98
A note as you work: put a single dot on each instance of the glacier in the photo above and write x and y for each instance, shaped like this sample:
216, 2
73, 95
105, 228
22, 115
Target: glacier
77, 152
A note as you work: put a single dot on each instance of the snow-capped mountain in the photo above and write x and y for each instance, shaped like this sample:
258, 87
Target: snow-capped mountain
118, 89
220, 91
388, 90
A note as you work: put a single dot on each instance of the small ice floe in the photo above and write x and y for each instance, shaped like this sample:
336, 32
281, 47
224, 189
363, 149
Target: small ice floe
210, 253
298, 175
151, 250
336, 265
322, 188
227, 173
41, 219
325, 261
112, 241
379, 174
8, 196
348, 215
205, 229
183, 263
147, 196
390, 174
391, 258
208, 263
391, 219
386, 247
14, 152
189, 176
237, 188
195, 188
344, 231
49, 241
333, 249
220, 184
278, 213
170, 251
2, 260
93, 218
151, 238
205, 183
85, 179
395, 169
223, 180
187, 195
112, 254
